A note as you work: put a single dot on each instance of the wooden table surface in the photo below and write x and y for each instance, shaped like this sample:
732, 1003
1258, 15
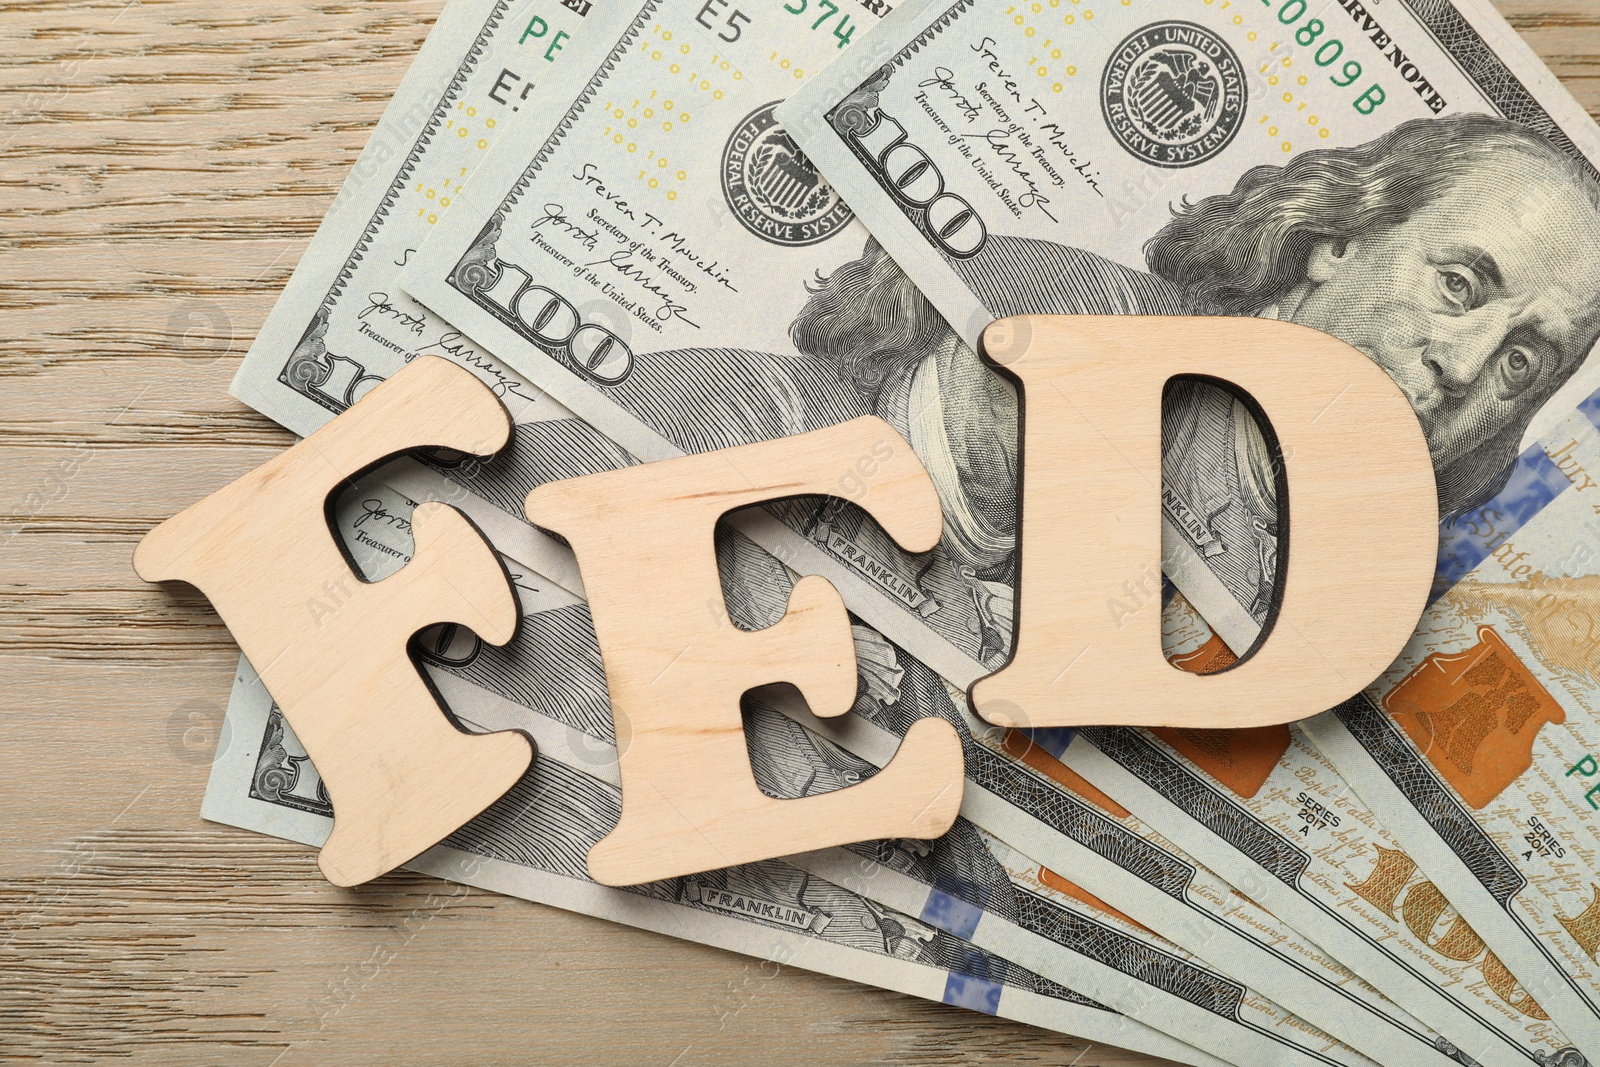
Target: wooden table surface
162, 165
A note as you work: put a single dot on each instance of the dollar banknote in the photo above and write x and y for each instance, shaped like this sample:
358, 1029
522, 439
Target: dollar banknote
1269, 810
553, 666
1172, 160
343, 324
532, 842
1480, 742
659, 257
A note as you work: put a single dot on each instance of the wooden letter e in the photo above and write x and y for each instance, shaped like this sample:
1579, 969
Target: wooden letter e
676, 665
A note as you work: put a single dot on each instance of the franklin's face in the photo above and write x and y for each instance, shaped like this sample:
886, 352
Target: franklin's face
1479, 306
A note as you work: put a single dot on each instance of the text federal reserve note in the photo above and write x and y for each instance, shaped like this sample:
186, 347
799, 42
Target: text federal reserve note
1408, 178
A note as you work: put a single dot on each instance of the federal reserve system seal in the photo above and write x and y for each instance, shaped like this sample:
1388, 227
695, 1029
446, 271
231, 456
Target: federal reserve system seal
1174, 94
772, 188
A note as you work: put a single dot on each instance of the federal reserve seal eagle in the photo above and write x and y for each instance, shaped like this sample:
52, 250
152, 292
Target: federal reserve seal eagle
772, 188
1174, 94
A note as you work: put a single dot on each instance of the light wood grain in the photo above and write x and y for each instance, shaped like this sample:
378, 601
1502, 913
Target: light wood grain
1358, 502
676, 665
331, 648
162, 165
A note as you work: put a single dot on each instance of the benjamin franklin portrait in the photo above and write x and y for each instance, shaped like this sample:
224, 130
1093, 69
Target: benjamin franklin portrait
1460, 254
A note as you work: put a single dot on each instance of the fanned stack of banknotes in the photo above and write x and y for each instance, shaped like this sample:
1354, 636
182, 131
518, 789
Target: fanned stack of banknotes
658, 227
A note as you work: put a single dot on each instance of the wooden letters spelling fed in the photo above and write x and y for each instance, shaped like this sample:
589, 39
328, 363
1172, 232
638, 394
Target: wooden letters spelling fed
1361, 516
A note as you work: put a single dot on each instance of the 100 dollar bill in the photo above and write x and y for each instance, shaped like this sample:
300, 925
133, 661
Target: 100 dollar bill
342, 323
1480, 741
653, 254
981, 592
1268, 810
1012, 159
